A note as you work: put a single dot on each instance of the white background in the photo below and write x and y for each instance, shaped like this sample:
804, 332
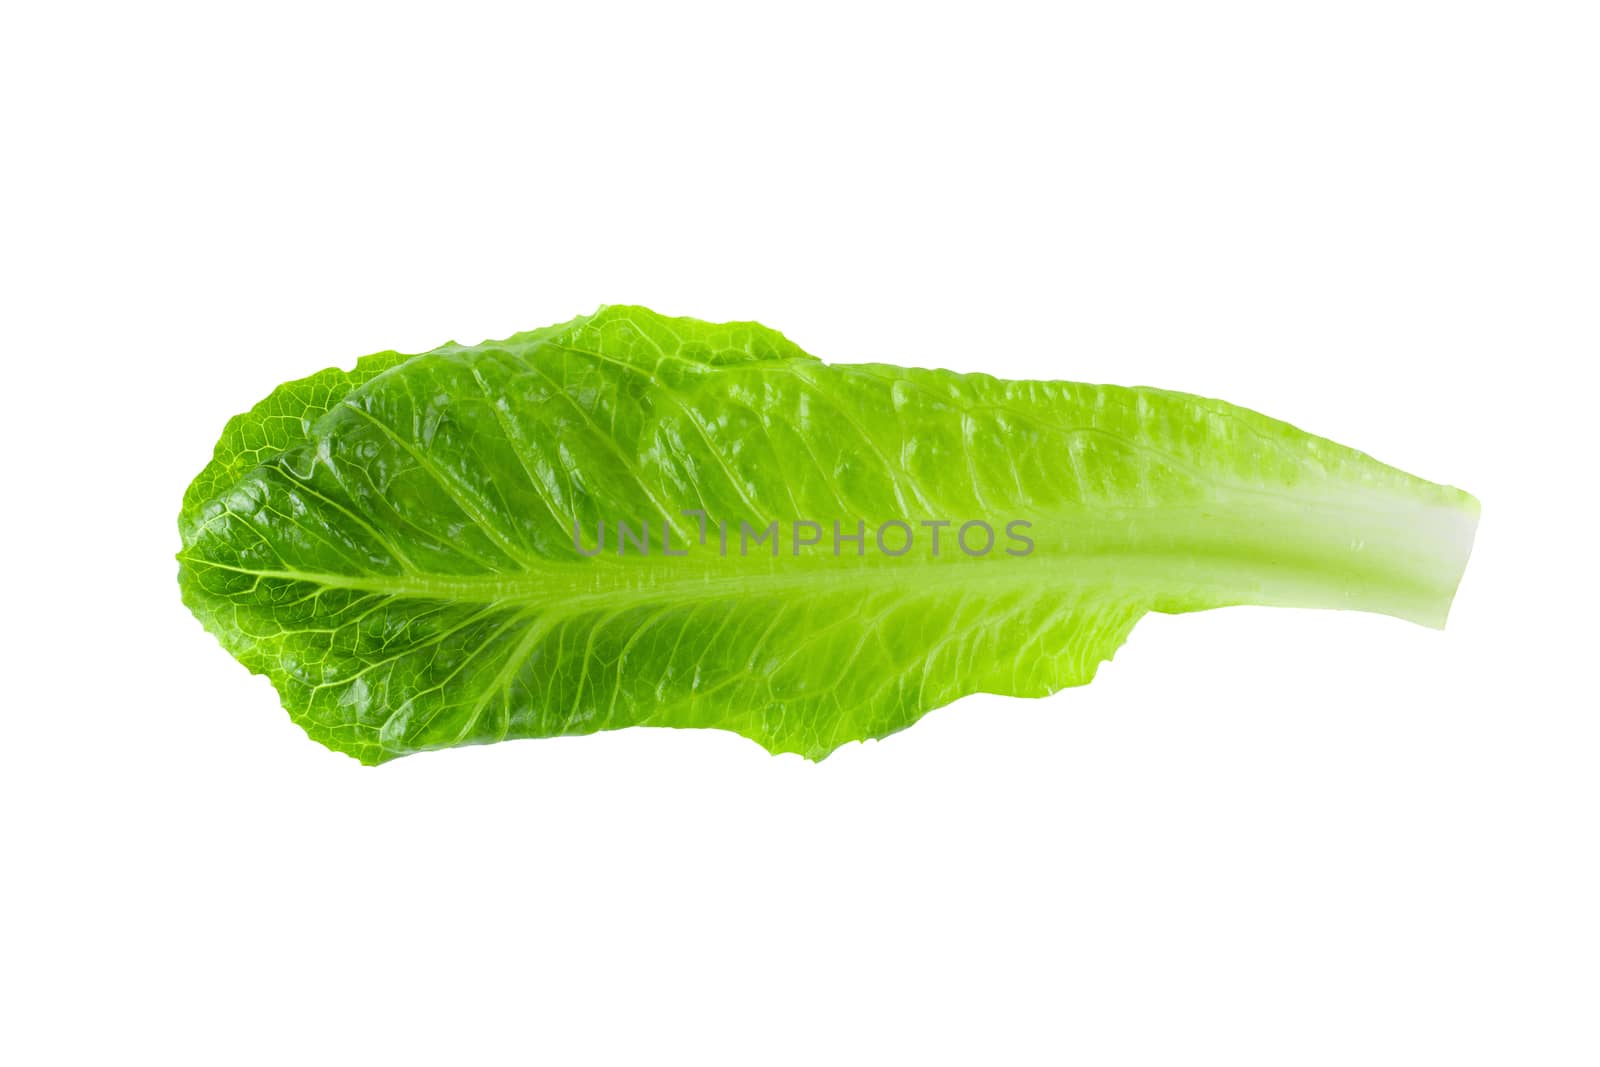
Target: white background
1261, 837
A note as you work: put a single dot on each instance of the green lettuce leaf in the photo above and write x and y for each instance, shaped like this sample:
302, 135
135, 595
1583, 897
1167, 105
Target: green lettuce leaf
410, 550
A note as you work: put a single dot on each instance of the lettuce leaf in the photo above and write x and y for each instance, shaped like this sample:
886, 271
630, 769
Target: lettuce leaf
411, 551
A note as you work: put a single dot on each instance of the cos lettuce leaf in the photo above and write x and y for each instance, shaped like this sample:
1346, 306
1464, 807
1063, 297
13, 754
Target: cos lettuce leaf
633, 520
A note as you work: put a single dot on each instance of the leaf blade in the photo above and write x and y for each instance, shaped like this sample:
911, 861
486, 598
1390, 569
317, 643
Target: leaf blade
393, 546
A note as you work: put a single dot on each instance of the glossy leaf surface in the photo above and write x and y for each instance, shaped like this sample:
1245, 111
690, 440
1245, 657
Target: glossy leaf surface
405, 549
